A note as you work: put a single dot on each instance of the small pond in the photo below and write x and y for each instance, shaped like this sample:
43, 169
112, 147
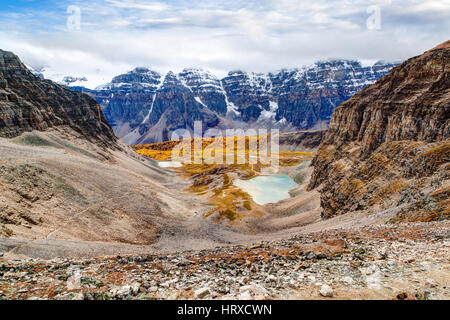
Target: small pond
267, 189
169, 164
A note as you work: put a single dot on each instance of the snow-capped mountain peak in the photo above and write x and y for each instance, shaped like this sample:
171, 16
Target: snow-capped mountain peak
143, 103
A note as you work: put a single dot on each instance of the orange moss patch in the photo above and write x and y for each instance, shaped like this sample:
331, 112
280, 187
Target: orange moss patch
388, 190
241, 146
428, 162
353, 186
434, 207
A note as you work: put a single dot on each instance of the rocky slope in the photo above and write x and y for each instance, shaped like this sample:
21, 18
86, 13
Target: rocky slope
389, 145
29, 103
289, 99
65, 175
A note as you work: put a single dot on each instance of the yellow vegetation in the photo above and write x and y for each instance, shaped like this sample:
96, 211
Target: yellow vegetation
241, 146
388, 190
214, 180
353, 186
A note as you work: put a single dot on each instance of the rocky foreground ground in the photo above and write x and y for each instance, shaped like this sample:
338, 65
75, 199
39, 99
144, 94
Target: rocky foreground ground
406, 261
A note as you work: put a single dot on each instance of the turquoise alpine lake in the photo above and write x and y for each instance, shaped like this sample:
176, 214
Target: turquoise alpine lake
267, 189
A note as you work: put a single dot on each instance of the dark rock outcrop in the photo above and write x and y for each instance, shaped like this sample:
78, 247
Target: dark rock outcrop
390, 140
129, 97
174, 107
249, 92
301, 140
29, 103
207, 88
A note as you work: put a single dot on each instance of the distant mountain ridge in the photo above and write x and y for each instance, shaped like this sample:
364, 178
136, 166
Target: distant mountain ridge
144, 106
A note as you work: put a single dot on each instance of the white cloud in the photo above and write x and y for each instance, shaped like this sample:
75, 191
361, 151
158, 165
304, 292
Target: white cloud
155, 6
220, 36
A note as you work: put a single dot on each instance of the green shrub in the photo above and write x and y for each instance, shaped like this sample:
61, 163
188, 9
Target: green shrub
32, 140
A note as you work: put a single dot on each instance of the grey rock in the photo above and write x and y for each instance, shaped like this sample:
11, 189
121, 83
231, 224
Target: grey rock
201, 293
326, 291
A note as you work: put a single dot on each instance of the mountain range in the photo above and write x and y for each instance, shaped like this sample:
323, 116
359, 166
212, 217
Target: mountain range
369, 218
144, 106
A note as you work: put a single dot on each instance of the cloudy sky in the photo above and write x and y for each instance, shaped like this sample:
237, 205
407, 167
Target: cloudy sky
114, 36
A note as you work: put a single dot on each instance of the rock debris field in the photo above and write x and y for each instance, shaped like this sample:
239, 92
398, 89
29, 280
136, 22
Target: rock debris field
406, 261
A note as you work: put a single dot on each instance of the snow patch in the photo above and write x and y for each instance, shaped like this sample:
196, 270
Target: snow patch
267, 115
231, 107
153, 102
200, 101
273, 106
282, 121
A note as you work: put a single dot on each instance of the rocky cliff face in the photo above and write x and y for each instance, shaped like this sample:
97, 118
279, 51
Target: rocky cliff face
289, 100
308, 97
249, 92
128, 98
174, 107
206, 88
389, 145
29, 103
301, 140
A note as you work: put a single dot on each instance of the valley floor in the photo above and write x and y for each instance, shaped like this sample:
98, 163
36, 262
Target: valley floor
157, 244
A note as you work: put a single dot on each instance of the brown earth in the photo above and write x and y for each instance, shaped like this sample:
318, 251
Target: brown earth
53, 186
